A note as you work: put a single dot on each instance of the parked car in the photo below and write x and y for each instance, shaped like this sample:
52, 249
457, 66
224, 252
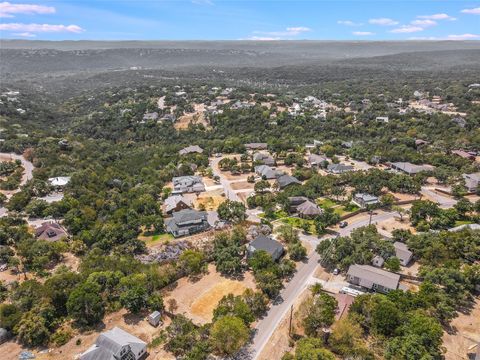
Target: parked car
336, 271
343, 224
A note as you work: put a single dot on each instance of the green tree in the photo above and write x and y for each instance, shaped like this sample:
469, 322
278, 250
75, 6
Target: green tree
231, 305
317, 312
312, 349
85, 304
233, 211
192, 262
228, 335
32, 330
392, 264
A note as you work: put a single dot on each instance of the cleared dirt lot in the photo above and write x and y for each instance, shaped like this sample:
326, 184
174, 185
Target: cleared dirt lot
198, 299
467, 332
241, 185
209, 199
196, 117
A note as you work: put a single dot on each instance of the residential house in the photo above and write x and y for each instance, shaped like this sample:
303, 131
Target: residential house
286, 180
187, 222
409, 168
150, 116
116, 344
176, 203
308, 209
168, 118
372, 278
347, 144
50, 231
155, 318
263, 242
59, 182
294, 202
463, 154
402, 253
187, 184
382, 119
363, 200
339, 168
267, 172
263, 158
191, 149
472, 181
256, 146
317, 161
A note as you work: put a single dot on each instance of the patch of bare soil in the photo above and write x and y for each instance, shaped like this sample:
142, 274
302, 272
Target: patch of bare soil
242, 185
466, 333
198, 299
197, 117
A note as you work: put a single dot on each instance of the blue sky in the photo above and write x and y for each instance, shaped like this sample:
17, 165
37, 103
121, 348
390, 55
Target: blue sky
241, 19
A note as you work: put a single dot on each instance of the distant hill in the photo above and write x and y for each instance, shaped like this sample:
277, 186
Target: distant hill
24, 56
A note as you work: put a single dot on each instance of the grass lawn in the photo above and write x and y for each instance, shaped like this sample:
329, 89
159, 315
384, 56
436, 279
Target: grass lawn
156, 239
339, 209
462, 222
299, 223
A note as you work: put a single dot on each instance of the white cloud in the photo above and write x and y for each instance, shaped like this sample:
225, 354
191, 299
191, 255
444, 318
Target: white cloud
383, 21
348, 23
424, 23
8, 10
363, 33
262, 38
424, 38
289, 32
25, 34
406, 29
463, 37
437, 17
474, 11
40, 28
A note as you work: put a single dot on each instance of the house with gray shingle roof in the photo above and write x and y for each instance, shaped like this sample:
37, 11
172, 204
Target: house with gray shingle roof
286, 180
263, 242
176, 203
472, 181
116, 344
267, 172
187, 222
363, 200
339, 168
187, 184
308, 209
317, 160
402, 253
372, 278
263, 158
409, 168
191, 149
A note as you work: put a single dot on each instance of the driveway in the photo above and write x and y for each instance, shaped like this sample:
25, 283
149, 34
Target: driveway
229, 192
443, 200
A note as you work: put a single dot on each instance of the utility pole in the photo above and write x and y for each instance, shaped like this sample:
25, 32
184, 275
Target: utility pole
290, 326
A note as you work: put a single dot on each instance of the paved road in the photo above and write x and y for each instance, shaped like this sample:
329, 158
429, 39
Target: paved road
229, 192
297, 284
444, 201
